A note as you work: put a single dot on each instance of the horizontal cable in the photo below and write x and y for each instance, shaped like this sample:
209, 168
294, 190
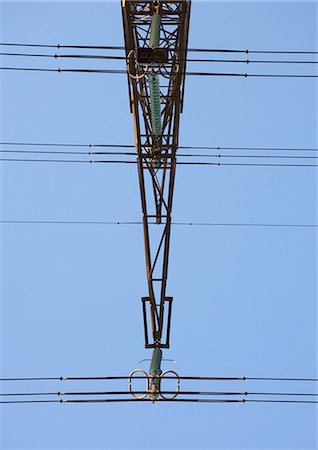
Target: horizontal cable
164, 156
125, 377
116, 377
199, 378
245, 75
102, 47
112, 57
119, 71
249, 61
181, 400
197, 163
189, 147
194, 224
120, 47
121, 400
269, 52
192, 163
49, 152
279, 401
200, 147
150, 400
297, 225
75, 161
30, 401
37, 69
241, 156
31, 379
209, 393
46, 144
34, 55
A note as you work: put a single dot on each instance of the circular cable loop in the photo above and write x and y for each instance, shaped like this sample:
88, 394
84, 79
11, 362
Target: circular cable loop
139, 397
135, 77
178, 384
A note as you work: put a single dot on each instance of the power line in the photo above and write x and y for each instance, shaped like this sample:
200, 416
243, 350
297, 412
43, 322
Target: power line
30, 401
194, 147
184, 400
123, 58
200, 147
279, 401
56, 56
167, 164
251, 61
120, 400
33, 69
167, 156
101, 47
269, 52
39, 152
245, 75
246, 224
244, 156
120, 71
208, 393
190, 400
199, 163
45, 144
31, 379
120, 47
125, 377
75, 161
194, 224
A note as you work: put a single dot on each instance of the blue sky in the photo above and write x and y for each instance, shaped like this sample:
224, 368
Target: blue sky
244, 298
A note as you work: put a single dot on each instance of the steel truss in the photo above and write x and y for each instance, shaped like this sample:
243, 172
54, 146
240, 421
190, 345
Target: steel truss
156, 153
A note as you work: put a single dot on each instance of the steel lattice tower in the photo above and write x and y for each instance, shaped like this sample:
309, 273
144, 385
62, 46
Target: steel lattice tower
156, 38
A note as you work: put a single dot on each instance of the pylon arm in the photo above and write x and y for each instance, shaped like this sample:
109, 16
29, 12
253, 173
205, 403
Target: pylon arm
156, 36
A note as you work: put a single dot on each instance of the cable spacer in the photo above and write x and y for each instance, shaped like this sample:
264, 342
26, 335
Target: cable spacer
178, 384
138, 397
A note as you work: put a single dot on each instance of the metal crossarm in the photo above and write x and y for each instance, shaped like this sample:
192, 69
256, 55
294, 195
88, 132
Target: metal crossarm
156, 38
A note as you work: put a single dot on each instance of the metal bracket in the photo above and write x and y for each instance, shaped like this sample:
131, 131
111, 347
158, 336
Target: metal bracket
164, 334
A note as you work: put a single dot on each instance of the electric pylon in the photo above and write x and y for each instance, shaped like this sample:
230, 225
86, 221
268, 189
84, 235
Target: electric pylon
156, 39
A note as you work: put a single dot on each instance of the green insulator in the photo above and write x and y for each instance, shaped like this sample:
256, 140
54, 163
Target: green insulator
155, 31
154, 79
155, 369
156, 362
155, 104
